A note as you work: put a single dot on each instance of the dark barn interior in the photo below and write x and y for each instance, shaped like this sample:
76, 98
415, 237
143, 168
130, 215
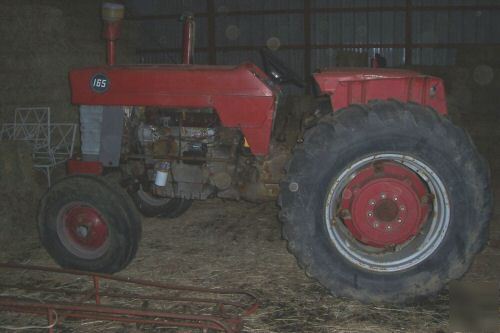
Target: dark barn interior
206, 238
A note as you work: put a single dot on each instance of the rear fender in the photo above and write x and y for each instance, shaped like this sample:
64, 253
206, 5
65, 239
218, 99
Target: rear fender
360, 85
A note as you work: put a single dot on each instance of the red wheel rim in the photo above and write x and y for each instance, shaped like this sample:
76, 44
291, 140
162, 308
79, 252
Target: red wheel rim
385, 204
83, 230
365, 189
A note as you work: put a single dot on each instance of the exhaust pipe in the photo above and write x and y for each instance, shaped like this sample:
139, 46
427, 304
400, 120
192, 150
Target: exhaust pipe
112, 16
188, 38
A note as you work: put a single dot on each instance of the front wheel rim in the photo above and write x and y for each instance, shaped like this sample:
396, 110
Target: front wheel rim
410, 249
83, 230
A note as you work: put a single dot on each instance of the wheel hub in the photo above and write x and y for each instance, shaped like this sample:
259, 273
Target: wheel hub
386, 210
385, 204
82, 231
85, 227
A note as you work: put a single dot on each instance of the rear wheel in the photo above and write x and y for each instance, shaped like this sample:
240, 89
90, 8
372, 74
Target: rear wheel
86, 223
386, 202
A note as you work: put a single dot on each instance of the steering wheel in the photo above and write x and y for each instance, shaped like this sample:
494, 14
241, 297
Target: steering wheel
278, 71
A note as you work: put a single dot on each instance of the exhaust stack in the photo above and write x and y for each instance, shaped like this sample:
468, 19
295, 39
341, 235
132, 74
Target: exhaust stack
188, 38
112, 15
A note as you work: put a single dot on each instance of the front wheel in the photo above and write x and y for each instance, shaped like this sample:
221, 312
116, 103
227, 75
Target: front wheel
86, 223
151, 206
386, 202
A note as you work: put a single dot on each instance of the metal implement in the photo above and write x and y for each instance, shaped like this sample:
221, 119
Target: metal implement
84, 295
52, 143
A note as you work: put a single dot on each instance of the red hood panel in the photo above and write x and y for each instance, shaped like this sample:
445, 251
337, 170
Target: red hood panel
157, 85
240, 95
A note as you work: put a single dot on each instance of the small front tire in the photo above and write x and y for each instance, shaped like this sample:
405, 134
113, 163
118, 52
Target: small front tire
86, 223
151, 206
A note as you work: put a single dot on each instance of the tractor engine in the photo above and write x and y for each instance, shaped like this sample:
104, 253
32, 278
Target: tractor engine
181, 153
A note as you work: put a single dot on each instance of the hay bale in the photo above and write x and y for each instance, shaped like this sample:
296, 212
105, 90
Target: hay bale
16, 165
19, 195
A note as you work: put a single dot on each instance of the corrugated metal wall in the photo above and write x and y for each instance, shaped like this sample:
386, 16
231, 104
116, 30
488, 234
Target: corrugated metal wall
238, 35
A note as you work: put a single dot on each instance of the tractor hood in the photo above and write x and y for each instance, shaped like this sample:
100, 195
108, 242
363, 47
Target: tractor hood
166, 85
242, 96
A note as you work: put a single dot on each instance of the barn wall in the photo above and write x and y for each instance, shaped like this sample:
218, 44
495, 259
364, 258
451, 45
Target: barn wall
40, 41
239, 35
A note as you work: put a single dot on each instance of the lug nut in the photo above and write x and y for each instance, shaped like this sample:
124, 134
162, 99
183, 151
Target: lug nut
383, 195
376, 224
402, 208
345, 214
371, 202
82, 231
395, 198
388, 228
293, 187
370, 214
399, 220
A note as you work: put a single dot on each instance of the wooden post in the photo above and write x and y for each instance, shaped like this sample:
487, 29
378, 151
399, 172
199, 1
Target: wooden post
212, 47
408, 33
307, 39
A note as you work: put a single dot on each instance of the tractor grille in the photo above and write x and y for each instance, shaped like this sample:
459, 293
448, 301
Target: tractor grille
90, 129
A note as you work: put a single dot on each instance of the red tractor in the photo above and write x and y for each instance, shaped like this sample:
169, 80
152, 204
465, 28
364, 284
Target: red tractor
382, 198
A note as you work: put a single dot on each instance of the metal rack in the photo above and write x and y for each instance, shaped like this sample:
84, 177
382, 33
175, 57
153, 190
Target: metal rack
52, 143
82, 295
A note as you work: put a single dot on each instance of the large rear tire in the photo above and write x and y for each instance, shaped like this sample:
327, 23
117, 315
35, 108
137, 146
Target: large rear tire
87, 223
386, 202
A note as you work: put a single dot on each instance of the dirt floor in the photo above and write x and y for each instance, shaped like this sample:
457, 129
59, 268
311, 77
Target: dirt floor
239, 245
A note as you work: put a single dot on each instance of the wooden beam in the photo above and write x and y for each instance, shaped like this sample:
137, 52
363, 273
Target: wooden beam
212, 43
161, 16
322, 10
307, 39
408, 34
326, 46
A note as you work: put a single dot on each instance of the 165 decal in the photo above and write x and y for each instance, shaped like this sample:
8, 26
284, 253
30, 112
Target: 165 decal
99, 83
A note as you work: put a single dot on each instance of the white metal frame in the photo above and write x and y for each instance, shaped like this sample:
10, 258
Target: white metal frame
53, 143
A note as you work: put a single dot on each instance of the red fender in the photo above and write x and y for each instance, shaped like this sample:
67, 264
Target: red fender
360, 85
